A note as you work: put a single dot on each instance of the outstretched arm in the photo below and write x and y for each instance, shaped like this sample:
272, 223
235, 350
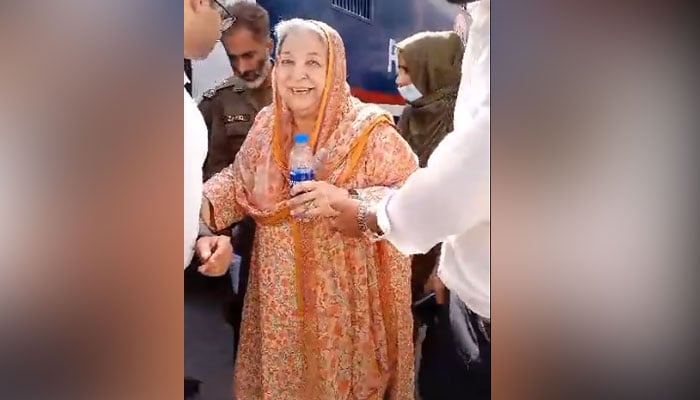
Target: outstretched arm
219, 207
447, 197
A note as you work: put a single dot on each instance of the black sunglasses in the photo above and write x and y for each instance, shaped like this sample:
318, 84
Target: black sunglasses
227, 19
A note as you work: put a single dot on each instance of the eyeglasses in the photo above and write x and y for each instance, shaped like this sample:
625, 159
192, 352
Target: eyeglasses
227, 19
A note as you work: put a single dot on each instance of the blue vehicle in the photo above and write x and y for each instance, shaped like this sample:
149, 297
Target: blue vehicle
370, 30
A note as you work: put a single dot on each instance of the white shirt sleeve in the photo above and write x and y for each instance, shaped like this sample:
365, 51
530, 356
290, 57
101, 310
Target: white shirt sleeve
452, 194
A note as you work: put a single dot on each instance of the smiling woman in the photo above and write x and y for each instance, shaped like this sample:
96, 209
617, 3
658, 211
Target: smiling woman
301, 72
326, 316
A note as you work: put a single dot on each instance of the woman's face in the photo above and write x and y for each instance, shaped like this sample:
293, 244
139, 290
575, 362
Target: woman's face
301, 72
403, 78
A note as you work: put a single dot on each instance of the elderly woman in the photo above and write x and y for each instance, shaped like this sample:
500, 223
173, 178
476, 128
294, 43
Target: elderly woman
326, 316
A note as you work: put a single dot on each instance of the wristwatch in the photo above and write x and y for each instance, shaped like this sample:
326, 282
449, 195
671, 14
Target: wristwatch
363, 213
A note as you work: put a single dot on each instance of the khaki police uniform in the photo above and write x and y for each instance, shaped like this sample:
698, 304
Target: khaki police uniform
229, 111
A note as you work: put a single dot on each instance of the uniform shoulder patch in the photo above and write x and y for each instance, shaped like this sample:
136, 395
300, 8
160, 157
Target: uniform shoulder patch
223, 85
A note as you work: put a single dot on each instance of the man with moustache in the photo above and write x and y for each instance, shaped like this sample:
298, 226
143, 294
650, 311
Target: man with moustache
448, 201
229, 111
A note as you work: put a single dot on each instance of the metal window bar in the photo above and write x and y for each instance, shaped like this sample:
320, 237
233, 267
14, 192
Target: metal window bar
360, 8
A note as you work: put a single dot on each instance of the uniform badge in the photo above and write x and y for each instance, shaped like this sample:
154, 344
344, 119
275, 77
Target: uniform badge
209, 93
237, 118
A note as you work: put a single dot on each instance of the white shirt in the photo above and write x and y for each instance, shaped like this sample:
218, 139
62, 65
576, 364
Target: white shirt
449, 200
195, 152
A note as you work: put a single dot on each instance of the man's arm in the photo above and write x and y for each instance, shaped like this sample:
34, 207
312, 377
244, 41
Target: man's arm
448, 196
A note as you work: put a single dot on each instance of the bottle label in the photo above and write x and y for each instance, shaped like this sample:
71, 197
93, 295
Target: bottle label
300, 175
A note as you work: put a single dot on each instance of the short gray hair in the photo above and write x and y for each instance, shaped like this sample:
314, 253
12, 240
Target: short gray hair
284, 28
250, 16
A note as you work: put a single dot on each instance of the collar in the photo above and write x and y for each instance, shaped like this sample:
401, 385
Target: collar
480, 9
186, 80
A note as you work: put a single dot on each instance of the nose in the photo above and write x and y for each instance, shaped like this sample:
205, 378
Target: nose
300, 72
402, 79
245, 65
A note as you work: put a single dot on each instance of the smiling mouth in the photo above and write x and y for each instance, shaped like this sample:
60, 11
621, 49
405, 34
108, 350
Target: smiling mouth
301, 91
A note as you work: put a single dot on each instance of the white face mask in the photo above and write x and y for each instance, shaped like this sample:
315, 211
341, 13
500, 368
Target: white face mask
410, 92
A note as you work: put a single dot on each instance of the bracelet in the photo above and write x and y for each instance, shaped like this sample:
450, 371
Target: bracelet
362, 216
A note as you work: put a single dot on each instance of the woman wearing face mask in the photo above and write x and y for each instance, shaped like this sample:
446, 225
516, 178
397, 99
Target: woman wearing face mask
429, 75
326, 316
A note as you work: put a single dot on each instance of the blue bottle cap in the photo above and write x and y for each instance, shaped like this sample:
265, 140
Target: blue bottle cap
301, 138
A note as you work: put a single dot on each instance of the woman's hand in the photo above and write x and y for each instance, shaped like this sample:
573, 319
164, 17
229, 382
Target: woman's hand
314, 199
346, 222
264, 185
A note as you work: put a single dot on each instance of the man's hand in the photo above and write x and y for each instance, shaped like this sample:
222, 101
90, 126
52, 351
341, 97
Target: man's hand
346, 220
216, 253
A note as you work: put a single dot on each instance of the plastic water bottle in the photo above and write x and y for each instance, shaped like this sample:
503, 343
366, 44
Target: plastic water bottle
301, 160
